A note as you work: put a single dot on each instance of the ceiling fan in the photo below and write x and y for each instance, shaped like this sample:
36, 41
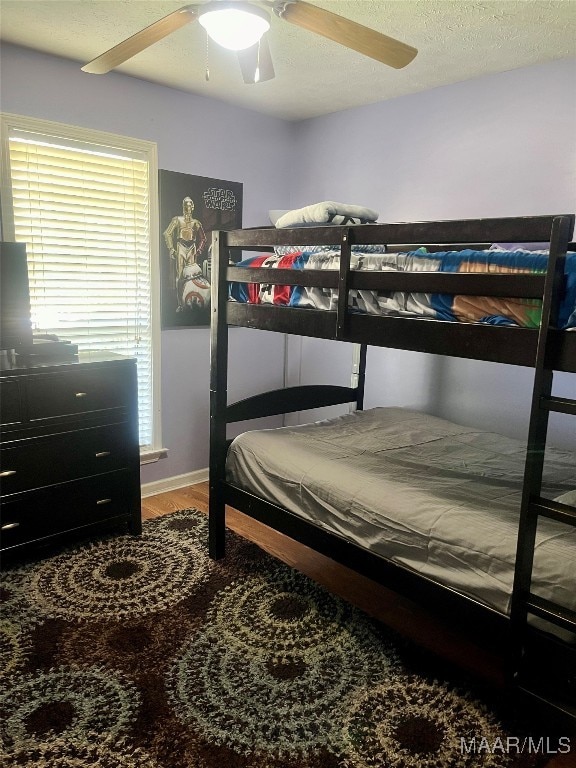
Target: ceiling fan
241, 25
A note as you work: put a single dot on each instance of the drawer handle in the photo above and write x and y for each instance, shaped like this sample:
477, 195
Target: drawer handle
102, 454
8, 472
9, 526
81, 394
100, 502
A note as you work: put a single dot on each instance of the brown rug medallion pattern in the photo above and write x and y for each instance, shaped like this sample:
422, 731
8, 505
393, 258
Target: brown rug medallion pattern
143, 653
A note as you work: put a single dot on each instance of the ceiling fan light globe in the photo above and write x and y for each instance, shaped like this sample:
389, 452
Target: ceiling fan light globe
235, 28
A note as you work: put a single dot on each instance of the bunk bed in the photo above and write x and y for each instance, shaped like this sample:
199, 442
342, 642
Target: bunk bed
532, 507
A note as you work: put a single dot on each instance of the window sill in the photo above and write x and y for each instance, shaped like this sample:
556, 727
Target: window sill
149, 456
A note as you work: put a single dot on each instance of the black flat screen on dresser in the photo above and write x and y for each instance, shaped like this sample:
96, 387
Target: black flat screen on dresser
15, 324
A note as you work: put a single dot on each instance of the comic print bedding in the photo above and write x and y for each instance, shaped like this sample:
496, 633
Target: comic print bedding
439, 306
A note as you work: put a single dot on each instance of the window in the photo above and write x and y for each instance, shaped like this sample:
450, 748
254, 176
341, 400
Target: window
85, 205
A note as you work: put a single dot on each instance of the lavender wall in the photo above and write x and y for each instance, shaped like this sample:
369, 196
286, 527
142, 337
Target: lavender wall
500, 145
194, 135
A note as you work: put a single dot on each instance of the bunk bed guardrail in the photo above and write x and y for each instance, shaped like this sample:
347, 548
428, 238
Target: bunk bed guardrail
513, 345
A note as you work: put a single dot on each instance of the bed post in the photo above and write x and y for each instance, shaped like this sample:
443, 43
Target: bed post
218, 395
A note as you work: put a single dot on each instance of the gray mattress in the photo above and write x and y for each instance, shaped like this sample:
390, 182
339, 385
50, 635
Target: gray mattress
436, 497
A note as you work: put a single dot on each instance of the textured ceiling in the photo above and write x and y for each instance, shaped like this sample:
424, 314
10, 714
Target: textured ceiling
456, 41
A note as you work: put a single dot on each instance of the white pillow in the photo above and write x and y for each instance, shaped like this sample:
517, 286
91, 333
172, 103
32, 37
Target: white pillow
275, 215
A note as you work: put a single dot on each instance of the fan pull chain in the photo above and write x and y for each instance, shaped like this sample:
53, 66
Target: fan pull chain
207, 73
257, 71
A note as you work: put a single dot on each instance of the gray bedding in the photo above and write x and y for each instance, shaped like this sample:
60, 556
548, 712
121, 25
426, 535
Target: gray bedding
436, 497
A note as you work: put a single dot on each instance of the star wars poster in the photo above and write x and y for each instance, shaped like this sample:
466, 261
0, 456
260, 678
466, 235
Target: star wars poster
191, 207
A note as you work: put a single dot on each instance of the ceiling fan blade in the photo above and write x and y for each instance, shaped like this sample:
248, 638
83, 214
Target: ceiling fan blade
256, 62
348, 33
141, 40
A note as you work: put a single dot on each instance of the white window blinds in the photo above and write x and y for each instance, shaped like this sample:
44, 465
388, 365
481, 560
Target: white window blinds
83, 211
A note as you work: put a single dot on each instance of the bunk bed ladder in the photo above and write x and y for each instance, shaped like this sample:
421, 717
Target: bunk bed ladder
533, 506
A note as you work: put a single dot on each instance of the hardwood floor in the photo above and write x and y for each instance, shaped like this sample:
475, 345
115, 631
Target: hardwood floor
406, 617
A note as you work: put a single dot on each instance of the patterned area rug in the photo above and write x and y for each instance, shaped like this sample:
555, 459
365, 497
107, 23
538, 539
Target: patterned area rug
144, 653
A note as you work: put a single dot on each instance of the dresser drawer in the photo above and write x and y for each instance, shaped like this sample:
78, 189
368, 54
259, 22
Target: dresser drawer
64, 508
78, 391
10, 405
41, 461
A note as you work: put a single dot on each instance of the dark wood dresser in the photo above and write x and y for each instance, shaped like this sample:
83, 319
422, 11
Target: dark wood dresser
70, 459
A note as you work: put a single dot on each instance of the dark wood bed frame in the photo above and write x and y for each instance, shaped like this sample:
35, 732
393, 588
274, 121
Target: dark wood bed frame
542, 668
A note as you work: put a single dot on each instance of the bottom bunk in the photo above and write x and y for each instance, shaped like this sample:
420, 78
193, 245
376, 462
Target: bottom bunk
425, 506
435, 497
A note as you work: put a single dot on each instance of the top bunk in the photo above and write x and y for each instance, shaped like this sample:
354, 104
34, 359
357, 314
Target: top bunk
341, 277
